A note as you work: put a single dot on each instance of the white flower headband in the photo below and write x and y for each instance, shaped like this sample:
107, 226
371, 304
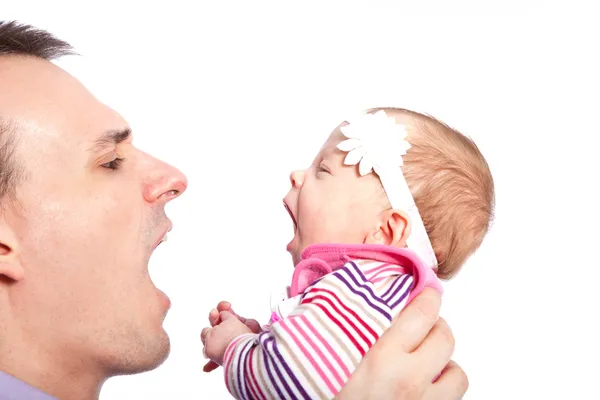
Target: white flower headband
377, 143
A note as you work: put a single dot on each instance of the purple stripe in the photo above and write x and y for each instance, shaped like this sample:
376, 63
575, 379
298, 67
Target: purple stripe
341, 278
270, 340
403, 287
243, 385
396, 286
271, 377
401, 297
288, 371
365, 283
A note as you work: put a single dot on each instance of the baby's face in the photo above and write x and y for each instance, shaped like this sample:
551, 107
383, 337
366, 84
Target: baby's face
331, 203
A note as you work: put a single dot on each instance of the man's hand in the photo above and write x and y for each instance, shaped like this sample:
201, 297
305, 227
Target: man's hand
215, 319
406, 361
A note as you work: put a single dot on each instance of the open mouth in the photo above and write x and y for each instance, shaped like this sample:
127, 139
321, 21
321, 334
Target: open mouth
291, 215
161, 241
163, 238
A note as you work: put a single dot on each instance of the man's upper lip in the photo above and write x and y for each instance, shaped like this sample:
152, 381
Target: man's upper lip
164, 232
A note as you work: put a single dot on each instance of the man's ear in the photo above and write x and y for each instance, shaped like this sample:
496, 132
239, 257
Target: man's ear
10, 266
392, 229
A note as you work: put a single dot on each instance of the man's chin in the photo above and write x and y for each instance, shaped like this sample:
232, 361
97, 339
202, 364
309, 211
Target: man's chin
158, 355
146, 357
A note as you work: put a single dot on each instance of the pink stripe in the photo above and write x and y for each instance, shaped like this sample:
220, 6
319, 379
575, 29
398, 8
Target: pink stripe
328, 295
227, 361
395, 270
308, 356
376, 268
330, 351
252, 384
383, 278
229, 349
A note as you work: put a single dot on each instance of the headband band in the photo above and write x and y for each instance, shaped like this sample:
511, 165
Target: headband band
376, 143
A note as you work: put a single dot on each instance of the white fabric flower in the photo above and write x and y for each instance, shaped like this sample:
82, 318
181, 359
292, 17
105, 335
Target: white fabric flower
374, 142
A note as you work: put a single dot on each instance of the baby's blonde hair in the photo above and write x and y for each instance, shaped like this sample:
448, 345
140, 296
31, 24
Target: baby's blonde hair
452, 185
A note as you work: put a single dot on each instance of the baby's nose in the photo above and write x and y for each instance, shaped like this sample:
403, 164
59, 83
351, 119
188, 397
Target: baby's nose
297, 179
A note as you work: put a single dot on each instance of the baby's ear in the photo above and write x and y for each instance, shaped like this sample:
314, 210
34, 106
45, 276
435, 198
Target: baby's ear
392, 229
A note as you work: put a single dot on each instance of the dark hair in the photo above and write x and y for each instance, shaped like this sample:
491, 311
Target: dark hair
23, 40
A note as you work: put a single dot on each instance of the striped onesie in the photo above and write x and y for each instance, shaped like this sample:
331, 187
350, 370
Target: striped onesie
343, 298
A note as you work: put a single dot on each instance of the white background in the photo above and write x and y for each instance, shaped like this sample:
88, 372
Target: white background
238, 95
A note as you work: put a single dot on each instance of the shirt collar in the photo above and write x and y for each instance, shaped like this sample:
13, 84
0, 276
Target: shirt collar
321, 259
12, 388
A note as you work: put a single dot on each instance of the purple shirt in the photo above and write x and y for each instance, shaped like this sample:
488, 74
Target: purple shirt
12, 388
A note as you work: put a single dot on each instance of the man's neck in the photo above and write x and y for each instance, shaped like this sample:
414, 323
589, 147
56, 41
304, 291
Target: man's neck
49, 371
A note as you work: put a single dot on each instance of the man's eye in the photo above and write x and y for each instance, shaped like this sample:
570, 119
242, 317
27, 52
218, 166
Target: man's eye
114, 164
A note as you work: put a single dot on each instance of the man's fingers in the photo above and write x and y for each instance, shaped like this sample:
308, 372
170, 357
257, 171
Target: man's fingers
436, 349
210, 366
414, 322
452, 384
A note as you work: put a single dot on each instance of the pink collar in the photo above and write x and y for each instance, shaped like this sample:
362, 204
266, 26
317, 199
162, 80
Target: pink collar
321, 259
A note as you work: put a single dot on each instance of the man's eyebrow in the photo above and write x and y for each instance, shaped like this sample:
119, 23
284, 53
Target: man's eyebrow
110, 138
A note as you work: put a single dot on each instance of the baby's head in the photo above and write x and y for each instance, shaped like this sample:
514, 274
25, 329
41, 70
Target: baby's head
449, 179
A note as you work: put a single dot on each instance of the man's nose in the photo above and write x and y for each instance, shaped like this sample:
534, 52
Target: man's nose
162, 182
297, 179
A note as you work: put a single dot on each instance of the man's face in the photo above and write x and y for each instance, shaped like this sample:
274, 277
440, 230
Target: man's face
87, 216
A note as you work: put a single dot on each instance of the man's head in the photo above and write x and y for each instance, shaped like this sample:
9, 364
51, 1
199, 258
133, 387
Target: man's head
446, 173
81, 212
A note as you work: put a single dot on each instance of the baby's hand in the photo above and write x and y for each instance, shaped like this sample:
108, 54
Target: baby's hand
217, 338
214, 319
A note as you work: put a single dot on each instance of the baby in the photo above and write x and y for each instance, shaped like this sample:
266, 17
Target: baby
393, 200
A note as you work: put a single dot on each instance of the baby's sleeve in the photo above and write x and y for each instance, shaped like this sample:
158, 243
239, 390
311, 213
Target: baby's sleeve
312, 353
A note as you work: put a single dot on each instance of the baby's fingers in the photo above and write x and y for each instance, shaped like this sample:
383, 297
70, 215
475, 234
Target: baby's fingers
224, 306
203, 335
213, 317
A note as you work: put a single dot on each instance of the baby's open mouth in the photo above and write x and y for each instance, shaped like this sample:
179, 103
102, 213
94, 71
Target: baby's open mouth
291, 216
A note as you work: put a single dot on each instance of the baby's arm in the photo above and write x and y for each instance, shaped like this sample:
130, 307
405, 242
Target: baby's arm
312, 353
